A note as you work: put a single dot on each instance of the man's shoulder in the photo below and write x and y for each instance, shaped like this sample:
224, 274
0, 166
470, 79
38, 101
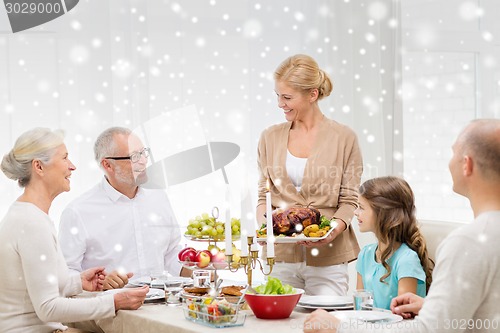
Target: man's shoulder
93, 195
153, 193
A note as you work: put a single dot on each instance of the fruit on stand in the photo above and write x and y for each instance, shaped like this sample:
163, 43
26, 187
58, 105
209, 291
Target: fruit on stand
187, 254
219, 257
214, 249
219, 260
206, 226
203, 258
236, 257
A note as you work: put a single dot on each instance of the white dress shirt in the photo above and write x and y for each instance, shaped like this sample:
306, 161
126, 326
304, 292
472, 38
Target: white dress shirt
106, 228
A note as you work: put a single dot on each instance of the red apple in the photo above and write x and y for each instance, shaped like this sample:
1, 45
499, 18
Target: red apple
179, 255
203, 258
188, 254
207, 252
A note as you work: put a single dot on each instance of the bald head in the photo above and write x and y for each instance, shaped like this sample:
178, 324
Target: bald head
481, 141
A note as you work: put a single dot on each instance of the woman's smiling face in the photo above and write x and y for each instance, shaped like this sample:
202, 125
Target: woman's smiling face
58, 171
292, 101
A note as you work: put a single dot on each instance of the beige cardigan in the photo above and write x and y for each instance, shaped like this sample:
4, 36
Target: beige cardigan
330, 184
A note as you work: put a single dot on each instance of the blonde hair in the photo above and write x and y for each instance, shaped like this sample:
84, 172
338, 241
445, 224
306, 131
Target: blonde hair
303, 73
36, 144
393, 203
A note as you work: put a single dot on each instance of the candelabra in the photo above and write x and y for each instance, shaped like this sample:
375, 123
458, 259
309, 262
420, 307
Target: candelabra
249, 263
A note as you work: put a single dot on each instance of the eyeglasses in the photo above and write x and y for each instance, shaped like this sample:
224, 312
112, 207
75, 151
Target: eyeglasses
134, 157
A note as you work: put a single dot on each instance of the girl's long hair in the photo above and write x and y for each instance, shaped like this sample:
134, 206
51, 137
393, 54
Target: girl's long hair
393, 203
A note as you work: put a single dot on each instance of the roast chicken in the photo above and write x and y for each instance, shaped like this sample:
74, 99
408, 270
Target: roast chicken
294, 220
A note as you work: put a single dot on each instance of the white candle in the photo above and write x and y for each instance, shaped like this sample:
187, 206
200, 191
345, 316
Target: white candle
246, 228
269, 223
255, 245
244, 245
227, 227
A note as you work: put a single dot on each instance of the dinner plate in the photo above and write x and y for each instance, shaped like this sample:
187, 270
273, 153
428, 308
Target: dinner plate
295, 239
325, 302
152, 295
325, 307
322, 300
159, 283
367, 316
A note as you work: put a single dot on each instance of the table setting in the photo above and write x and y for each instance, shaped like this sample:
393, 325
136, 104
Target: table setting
178, 304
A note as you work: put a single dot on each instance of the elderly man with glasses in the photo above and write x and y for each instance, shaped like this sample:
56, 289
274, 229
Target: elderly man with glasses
118, 224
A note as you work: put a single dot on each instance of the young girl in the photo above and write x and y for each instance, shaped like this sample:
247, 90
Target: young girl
399, 262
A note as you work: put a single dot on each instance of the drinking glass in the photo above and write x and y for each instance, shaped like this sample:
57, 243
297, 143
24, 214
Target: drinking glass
172, 292
157, 278
363, 299
201, 278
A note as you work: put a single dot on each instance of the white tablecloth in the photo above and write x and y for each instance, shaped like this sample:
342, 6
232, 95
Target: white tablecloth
154, 318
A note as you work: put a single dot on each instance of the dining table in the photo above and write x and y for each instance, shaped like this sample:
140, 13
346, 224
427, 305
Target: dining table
156, 316
160, 317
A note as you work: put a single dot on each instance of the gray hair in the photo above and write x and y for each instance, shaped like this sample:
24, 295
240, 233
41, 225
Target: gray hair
36, 144
105, 144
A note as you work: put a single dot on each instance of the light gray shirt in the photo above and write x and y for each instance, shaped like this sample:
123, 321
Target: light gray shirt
34, 278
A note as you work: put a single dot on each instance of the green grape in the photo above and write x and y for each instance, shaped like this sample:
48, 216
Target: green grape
206, 230
204, 225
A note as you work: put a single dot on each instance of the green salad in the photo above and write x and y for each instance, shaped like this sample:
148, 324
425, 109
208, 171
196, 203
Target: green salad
273, 286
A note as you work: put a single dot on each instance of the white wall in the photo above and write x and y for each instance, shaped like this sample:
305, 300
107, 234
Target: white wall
127, 62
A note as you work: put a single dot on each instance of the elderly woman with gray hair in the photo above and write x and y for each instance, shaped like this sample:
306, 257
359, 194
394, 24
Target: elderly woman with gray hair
36, 282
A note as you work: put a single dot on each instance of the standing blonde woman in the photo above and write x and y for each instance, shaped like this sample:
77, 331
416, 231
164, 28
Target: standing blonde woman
311, 160
35, 281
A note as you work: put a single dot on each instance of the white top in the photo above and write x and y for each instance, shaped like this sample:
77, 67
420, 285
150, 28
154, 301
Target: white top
466, 283
105, 228
35, 280
295, 167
